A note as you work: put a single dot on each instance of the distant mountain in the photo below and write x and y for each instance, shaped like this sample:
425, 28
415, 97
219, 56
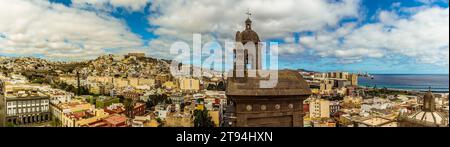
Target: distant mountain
304, 70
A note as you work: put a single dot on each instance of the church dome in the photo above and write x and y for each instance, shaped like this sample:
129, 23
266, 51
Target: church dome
436, 118
249, 36
428, 116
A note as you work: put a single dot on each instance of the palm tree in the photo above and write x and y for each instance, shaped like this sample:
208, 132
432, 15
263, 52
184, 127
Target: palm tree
129, 105
202, 119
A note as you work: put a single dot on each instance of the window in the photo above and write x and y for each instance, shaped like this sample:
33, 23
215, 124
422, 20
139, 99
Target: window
9, 103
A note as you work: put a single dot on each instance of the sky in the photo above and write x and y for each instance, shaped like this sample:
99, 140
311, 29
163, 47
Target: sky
376, 36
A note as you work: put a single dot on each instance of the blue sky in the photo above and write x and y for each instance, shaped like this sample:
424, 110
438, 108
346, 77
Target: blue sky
377, 36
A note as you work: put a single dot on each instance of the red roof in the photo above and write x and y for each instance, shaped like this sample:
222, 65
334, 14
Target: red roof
116, 119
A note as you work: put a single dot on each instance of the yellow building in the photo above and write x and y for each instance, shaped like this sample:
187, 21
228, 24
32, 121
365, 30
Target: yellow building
170, 85
70, 107
81, 118
100, 79
326, 87
133, 82
144, 121
215, 117
319, 108
94, 88
68, 79
120, 82
189, 84
149, 82
200, 106
179, 121
152, 123
315, 91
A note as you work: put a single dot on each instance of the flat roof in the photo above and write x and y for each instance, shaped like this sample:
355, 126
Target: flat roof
375, 121
116, 119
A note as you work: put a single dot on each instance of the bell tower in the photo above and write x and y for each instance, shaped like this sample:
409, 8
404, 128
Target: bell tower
253, 105
247, 53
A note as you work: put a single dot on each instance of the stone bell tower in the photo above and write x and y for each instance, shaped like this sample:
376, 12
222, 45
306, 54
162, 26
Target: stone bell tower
253, 106
247, 53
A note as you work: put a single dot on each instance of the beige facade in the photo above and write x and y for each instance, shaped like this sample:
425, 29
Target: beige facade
353, 78
73, 106
178, 121
319, 108
189, 84
326, 87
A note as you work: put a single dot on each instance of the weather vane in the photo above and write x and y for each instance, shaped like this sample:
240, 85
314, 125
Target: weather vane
248, 13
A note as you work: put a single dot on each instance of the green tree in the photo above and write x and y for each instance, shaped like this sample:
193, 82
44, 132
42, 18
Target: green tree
211, 87
160, 122
55, 122
149, 104
221, 86
129, 105
168, 101
10, 124
182, 105
202, 119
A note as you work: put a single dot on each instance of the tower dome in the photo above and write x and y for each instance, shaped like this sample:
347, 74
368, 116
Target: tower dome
248, 35
429, 103
428, 116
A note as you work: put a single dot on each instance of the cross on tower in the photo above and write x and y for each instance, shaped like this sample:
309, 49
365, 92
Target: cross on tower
248, 13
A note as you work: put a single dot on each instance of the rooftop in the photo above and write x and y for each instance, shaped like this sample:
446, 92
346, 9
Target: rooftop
116, 119
73, 104
376, 121
290, 83
23, 91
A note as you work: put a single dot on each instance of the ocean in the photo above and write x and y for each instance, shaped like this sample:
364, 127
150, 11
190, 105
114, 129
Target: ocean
412, 82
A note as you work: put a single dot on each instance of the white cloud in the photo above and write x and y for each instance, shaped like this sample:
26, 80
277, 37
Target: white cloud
130, 5
57, 31
431, 1
179, 19
424, 36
